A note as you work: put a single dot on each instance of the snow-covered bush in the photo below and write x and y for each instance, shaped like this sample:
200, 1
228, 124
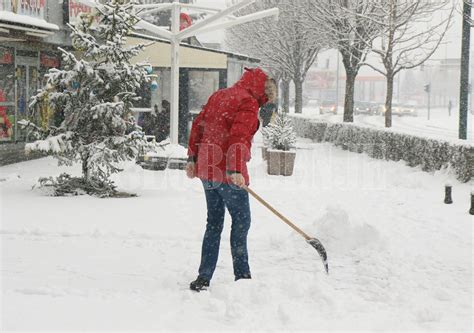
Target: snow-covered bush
95, 89
429, 154
280, 135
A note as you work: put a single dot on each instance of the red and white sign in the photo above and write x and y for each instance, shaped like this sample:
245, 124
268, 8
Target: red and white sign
6, 56
32, 8
76, 10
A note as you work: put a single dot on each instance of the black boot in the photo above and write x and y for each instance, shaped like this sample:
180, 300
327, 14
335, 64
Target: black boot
199, 284
243, 276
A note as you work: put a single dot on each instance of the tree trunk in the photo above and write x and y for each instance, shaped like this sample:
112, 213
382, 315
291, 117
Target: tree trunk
388, 101
349, 97
85, 166
298, 95
285, 95
85, 170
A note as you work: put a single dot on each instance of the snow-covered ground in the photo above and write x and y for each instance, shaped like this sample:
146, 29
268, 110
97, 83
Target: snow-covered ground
440, 125
399, 258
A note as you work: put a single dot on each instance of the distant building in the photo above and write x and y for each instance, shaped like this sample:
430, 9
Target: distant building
322, 81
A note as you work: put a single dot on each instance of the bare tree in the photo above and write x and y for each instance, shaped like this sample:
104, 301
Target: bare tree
347, 27
286, 46
410, 33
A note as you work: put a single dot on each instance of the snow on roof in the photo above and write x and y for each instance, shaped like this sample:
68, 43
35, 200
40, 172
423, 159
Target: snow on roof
27, 20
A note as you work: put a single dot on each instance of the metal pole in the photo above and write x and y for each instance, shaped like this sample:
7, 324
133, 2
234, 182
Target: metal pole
174, 119
429, 101
464, 85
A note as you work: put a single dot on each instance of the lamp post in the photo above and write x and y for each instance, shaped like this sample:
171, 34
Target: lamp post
464, 85
337, 83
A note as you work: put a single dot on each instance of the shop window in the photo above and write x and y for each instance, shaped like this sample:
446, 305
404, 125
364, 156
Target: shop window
152, 110
7, 94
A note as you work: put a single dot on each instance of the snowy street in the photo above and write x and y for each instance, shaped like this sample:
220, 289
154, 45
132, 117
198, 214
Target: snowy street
399, 259
440, 125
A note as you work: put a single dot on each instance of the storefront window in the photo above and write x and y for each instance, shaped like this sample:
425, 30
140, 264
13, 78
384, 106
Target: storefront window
149, 114
7, 94
27, 78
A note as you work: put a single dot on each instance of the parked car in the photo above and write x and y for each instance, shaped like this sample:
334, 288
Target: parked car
328, 106
364, 108
402, 110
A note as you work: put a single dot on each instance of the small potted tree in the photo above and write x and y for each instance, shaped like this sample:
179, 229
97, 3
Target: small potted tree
281, 153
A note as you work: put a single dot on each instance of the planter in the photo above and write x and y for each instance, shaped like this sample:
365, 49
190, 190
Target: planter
280, 162
264, 153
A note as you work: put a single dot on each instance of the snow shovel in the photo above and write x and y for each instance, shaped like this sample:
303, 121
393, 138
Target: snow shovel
314, 242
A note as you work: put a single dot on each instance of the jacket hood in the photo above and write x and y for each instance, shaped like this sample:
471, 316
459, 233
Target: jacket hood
253, 80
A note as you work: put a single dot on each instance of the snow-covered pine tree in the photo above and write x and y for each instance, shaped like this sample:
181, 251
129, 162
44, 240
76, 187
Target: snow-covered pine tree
280, 134
95, 89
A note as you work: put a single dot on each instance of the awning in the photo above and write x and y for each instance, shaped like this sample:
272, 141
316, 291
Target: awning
14, 21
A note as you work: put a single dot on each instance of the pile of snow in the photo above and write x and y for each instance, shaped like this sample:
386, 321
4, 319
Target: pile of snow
342, 235
167, 150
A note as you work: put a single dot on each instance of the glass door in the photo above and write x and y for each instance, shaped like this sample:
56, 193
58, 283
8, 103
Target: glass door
27, 87
21, 98
7, 100
36, 117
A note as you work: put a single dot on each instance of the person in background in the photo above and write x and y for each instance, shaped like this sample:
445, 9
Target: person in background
163, 122
219, 149
149, 122
450, 106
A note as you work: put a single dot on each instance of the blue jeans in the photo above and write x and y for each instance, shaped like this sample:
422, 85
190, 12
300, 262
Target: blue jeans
218, 197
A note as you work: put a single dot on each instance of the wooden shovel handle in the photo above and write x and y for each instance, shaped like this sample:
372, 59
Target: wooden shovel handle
277, 213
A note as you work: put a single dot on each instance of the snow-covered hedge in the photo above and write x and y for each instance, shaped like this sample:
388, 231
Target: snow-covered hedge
430, 154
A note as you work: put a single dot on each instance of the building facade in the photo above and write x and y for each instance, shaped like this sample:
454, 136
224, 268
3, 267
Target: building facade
30, 32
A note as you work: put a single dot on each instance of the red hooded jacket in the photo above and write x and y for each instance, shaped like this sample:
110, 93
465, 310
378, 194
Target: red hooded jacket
221, 135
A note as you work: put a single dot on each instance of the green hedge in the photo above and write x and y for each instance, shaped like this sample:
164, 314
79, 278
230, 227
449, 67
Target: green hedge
430, 154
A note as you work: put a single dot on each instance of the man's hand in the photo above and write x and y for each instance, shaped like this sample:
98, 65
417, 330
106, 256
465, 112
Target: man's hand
191, 170
237, 179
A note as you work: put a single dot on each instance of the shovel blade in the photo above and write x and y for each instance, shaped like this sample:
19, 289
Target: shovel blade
314, 242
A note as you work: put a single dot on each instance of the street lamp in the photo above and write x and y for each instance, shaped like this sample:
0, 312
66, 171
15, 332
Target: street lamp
464, 84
